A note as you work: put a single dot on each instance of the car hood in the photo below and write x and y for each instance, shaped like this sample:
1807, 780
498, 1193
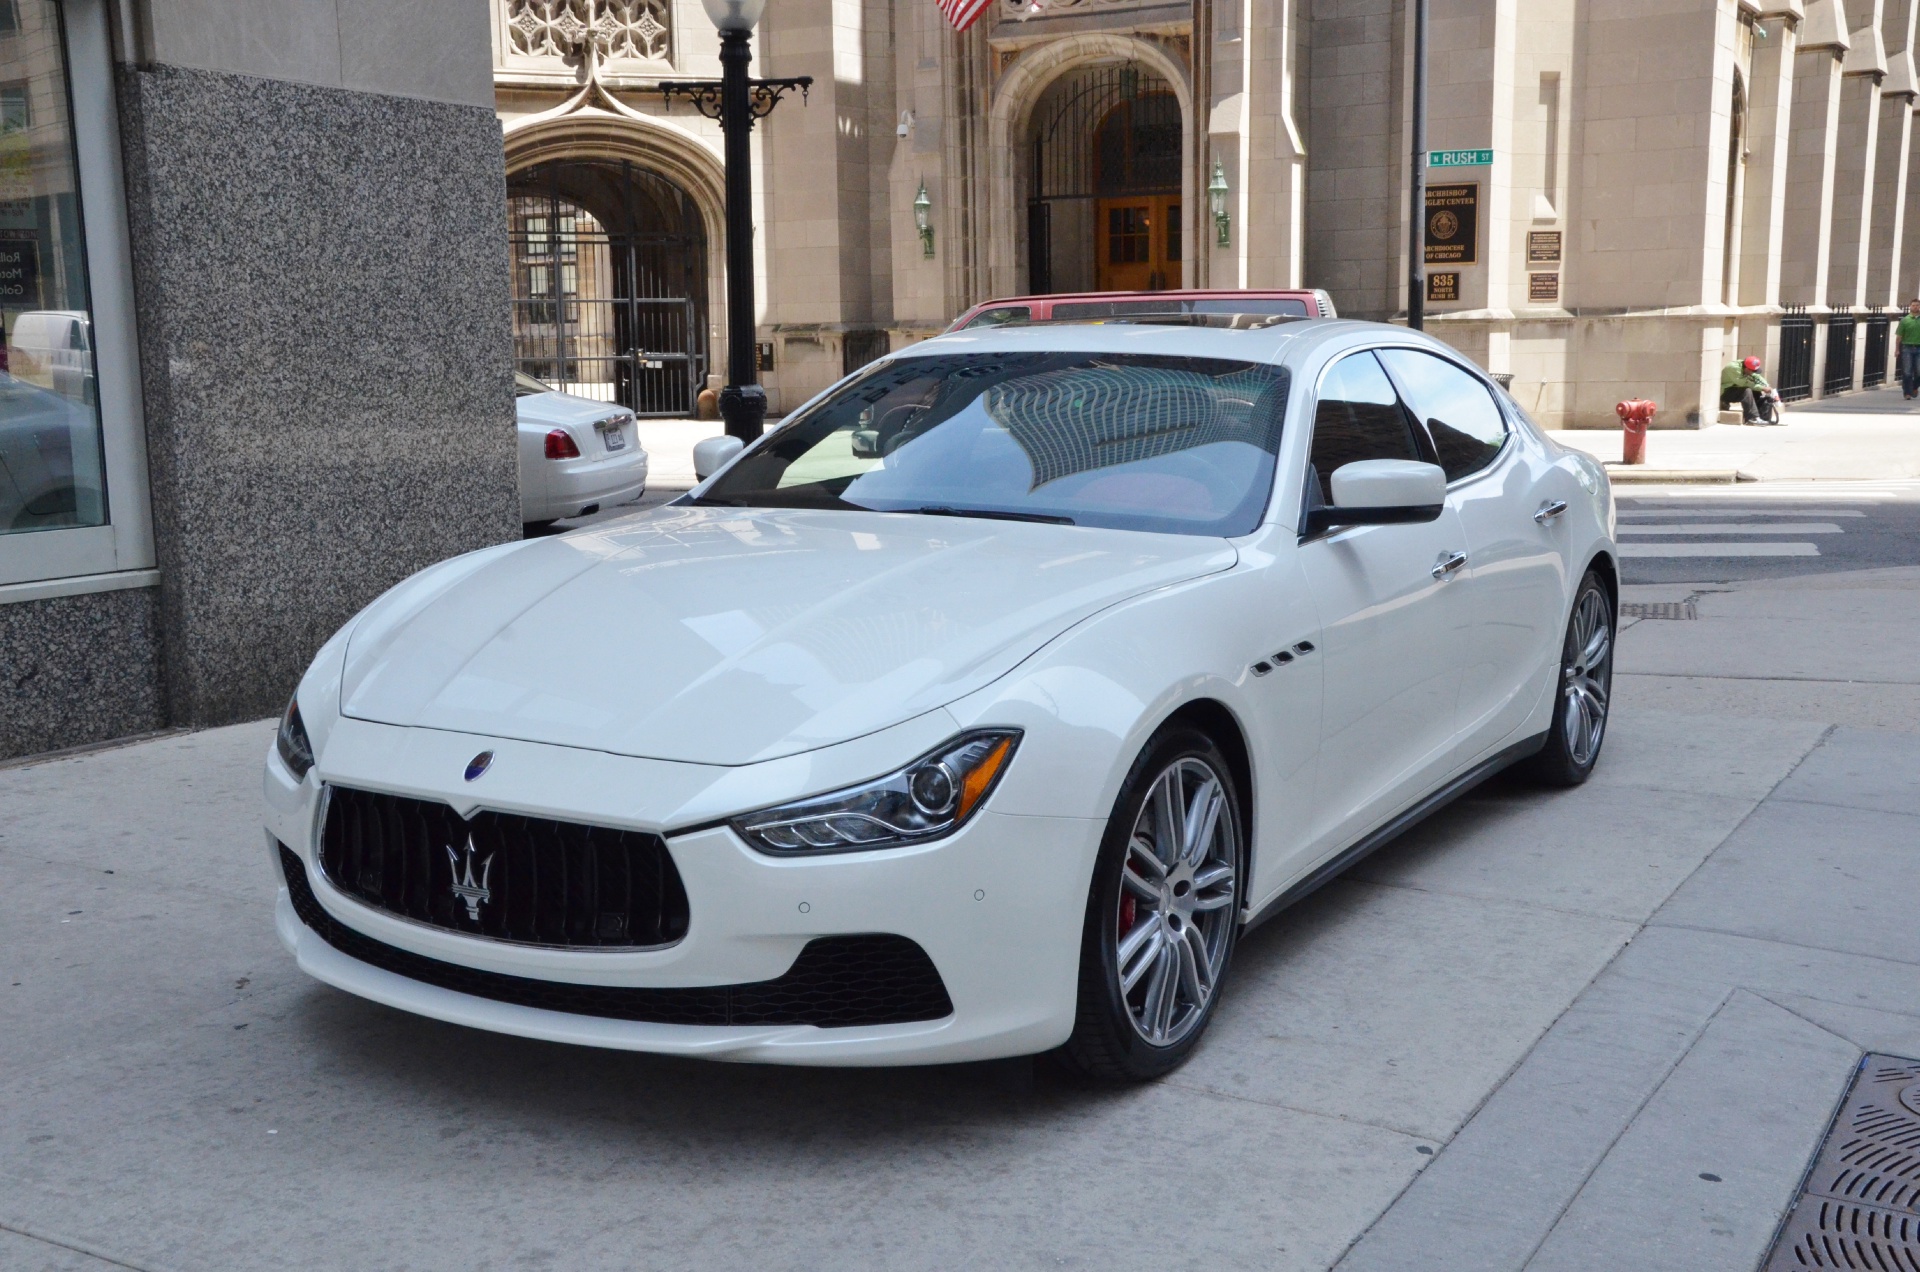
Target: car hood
725, 636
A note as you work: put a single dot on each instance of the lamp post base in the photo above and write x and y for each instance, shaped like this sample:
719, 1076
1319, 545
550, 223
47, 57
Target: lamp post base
744, 408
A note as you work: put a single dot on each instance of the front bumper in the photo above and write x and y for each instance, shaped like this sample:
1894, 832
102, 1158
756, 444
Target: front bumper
997, 907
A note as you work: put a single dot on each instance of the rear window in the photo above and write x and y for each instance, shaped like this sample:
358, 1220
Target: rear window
1277, 307
1124, 441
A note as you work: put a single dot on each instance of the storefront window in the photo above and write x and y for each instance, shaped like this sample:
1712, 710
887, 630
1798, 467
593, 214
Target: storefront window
51, 460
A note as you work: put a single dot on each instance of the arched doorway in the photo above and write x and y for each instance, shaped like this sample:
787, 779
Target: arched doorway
609, 283
1104, 208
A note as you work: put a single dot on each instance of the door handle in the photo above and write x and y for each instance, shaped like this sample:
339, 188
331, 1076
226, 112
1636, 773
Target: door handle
1549, 510
1448, 564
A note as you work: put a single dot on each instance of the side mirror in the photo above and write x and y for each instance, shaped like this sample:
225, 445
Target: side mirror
1378, 492
713, 454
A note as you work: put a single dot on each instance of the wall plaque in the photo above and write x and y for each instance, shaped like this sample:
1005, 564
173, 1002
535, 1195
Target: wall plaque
1543, 247
1444, 286
1453, 223
1543, 289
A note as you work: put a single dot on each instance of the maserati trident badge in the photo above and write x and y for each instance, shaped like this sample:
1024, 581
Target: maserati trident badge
464, 887
478, 764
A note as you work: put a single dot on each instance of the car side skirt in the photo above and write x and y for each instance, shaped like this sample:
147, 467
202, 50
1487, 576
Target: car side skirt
1366, 846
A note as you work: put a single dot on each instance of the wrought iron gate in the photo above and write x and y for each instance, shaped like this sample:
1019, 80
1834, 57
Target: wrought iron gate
1075, 162
1838, 377
1795, 378
609, 284
1873, 363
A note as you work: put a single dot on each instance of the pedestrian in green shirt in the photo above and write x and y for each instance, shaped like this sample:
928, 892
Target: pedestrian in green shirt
1742, 385
1909, 331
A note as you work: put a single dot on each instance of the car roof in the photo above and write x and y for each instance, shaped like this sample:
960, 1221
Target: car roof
1209, 293
1291, 342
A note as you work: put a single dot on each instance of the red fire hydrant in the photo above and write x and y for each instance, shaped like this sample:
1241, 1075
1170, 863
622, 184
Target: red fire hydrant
1635, 414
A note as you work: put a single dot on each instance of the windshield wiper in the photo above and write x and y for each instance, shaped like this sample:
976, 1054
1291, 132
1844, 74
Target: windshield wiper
988, 514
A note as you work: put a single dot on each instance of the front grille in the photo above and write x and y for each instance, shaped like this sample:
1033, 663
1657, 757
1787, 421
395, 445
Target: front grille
837, 982
527, 880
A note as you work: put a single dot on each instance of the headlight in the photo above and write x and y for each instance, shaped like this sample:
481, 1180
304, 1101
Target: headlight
933, 796
295, 751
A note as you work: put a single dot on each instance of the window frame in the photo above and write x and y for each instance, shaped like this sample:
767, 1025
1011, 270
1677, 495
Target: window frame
1309, 488
97, 558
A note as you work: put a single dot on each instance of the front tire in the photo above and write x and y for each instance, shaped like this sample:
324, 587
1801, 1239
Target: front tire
1163, 913
1584, 690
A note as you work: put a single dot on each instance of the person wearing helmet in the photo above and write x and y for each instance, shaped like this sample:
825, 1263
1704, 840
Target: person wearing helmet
1908, 335
1742, 385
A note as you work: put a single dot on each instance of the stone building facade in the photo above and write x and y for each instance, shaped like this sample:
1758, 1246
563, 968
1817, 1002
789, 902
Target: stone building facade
1662, 185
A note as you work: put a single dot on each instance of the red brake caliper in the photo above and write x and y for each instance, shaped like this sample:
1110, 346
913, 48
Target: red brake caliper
1126, 912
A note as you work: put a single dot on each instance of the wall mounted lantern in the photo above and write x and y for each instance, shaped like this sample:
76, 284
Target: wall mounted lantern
1217, 200
922, 205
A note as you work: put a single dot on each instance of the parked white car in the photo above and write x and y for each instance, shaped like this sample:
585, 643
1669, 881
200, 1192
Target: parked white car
576, 455
974, 711
53, 348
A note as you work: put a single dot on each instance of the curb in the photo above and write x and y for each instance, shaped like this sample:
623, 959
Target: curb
1638, 475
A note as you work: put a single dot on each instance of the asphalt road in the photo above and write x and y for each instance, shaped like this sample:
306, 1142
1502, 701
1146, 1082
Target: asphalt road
1722, 534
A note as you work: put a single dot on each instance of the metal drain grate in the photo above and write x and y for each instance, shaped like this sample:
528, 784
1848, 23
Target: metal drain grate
1658, 609
1860, 1205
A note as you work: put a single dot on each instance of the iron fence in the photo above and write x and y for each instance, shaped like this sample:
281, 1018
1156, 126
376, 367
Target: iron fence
609, 285
860, 348
1873, 363
1795, 372
1838, 374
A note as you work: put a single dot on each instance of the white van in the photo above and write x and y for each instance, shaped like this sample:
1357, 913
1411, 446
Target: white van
53, 348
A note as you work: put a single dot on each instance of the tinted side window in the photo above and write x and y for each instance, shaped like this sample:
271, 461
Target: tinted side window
1468, 429
1359, 417
1004, 314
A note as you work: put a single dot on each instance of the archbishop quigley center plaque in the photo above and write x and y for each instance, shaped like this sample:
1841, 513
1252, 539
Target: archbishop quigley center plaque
1453, 223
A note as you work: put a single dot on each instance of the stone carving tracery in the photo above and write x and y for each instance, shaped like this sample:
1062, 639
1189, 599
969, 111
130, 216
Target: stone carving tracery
620, 30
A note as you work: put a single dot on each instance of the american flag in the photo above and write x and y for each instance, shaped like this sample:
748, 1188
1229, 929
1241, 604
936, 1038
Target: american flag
961, 14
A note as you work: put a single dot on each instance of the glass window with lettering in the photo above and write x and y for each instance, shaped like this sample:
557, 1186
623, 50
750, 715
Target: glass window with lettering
1461, 415
1359, 417
51, 472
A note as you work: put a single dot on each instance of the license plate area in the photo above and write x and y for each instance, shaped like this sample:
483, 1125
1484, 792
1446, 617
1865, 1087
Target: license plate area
613, 436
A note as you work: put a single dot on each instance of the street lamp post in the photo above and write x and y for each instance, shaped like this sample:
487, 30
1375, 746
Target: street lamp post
736, 101
1417, 188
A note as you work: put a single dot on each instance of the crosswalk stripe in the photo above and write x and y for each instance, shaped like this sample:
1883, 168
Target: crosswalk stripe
1719, 550
1639, 514
1785, 527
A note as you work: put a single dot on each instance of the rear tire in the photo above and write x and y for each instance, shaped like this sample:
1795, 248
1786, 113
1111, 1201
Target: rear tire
1163, 913
1583, 691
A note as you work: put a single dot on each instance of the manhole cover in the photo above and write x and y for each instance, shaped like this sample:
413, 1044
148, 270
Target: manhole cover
1658, 609
1860, 1206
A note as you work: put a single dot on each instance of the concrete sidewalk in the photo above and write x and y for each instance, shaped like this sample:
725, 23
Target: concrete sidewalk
1868, 436
1522, 1036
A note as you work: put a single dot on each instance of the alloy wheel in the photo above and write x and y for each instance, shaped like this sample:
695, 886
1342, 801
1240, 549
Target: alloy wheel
1587, 677
1179, 885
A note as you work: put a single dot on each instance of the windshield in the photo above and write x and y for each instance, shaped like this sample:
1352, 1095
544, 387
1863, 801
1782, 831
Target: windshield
1125, 441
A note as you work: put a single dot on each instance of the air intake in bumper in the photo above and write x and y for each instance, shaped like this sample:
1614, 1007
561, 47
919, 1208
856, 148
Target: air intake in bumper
837, 982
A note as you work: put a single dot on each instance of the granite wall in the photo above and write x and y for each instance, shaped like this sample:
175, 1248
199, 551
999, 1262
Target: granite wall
322, 288
79, 669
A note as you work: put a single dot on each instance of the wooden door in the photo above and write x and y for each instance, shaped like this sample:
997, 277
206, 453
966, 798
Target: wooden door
1137, 242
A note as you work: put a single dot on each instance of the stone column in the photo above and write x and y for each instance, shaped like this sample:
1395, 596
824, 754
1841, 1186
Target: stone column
1890, 209
1862, 72
1763, 212
1250, 128
1806, 238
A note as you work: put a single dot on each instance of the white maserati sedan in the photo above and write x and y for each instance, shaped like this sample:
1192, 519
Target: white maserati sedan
577, 455
977, 710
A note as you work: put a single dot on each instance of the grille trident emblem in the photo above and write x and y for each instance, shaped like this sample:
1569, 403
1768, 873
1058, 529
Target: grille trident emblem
474, 894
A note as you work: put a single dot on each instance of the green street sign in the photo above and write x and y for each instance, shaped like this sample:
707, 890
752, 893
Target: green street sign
1459, 158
